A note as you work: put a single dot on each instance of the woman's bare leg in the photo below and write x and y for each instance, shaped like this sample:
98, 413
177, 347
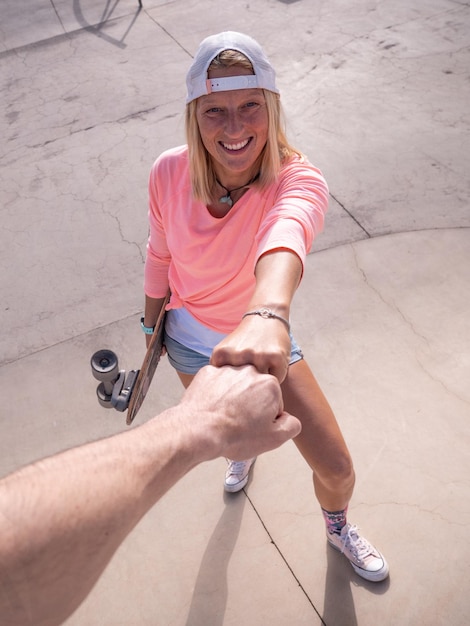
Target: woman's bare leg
320, 442
323, 447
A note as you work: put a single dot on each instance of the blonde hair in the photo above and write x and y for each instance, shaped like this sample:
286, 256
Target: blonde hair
276, 150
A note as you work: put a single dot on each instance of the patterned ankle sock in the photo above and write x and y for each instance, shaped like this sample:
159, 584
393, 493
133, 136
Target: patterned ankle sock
335, 520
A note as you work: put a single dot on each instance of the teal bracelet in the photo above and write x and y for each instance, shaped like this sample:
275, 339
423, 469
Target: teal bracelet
148, 330
268, 314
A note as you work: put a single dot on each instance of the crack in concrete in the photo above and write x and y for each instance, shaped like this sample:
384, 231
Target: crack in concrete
121, 120
394, 307
391, 305
351, 215
421, 510
122, 236
284, 559
440, 382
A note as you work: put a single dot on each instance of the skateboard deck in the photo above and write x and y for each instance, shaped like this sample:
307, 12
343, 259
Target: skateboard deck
149, 365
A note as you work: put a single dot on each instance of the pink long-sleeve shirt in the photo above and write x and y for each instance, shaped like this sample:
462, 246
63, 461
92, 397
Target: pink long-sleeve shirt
209, 262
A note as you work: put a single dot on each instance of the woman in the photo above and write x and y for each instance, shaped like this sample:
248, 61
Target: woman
232, 216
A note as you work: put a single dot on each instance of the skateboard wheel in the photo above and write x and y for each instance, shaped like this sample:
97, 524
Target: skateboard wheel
104, 365
103, 398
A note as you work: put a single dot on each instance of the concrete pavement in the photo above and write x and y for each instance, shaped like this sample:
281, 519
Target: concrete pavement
376, 94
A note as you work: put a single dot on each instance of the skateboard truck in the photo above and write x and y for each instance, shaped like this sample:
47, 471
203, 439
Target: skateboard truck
115, 388
127, 391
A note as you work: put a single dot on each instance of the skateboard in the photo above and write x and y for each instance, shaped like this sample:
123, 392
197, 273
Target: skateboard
126, 391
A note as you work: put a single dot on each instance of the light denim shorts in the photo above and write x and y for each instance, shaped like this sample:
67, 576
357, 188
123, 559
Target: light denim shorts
188, 361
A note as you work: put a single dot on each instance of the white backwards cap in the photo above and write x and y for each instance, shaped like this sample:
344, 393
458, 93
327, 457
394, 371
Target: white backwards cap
197, 82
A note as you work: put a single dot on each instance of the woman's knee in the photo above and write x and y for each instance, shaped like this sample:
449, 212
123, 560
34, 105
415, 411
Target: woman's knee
337, 473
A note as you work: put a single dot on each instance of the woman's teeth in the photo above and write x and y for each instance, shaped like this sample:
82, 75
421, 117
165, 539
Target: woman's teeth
235, 146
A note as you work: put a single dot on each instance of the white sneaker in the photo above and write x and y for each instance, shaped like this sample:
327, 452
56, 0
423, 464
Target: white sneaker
364, 558
237, 474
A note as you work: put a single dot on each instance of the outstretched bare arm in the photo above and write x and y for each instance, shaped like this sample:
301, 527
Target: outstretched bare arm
63, 518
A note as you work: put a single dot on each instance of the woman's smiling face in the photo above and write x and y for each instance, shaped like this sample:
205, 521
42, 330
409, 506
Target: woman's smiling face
234, 129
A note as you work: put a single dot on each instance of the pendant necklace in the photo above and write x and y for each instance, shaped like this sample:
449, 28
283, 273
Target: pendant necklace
227, 198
